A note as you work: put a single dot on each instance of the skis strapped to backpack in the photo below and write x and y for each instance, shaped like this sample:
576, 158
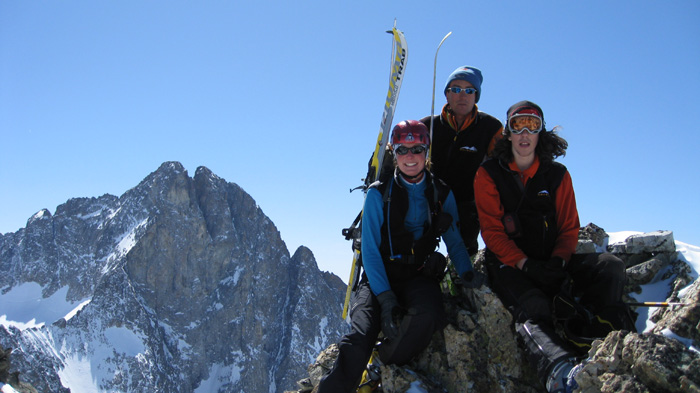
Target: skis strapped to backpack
399, 54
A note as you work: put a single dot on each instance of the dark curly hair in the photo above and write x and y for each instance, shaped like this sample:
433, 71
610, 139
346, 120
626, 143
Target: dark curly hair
549, 146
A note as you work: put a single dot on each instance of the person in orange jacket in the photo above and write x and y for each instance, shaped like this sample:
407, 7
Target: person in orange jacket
529, 223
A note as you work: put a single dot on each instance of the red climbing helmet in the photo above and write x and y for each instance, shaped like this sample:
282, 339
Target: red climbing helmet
410, 131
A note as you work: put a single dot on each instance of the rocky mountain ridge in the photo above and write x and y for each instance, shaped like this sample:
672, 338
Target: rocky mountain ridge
180, 284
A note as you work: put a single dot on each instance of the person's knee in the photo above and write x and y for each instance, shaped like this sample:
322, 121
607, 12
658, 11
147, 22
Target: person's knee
534, 305
612, 266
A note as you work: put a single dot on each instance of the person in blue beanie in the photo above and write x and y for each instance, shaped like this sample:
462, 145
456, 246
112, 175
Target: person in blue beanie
399, 293
462, 137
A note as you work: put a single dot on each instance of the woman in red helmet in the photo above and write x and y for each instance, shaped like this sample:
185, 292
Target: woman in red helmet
399, 293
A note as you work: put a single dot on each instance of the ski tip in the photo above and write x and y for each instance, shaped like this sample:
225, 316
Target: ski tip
394, 28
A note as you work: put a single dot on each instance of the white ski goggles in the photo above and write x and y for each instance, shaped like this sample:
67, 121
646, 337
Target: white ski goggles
521, 122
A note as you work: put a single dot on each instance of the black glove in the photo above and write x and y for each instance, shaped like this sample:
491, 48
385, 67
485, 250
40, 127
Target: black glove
555, 263
434, 266
546, 273
473, 279
391, 314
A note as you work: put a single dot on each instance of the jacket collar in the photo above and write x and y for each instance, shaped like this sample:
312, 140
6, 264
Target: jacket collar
450, 118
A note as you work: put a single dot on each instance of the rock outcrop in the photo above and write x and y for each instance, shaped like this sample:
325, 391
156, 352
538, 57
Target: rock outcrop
11, 378
478, 350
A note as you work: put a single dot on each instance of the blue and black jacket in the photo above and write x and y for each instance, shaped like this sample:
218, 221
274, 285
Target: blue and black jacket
397, 234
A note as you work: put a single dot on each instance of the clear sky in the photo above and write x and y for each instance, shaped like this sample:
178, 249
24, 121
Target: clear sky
285, 99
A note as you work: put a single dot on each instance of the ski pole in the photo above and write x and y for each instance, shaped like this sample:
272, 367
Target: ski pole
658, 304
432, 106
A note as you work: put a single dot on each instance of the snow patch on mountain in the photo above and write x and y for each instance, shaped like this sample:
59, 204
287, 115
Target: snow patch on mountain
25, 307
74, 372
219, 377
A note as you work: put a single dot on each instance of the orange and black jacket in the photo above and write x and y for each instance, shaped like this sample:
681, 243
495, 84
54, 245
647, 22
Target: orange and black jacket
526, 214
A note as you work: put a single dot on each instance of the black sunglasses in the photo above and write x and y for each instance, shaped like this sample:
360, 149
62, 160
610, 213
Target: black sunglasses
401, 150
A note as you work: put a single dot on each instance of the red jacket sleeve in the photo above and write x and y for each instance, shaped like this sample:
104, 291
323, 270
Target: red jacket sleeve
567, 219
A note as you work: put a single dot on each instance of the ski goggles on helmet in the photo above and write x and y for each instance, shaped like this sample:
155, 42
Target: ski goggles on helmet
521, 122
418, 149
457, 90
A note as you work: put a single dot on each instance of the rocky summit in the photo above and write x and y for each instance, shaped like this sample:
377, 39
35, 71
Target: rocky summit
478, 350
182, 284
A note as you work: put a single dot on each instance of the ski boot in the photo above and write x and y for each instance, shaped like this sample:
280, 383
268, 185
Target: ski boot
372, 376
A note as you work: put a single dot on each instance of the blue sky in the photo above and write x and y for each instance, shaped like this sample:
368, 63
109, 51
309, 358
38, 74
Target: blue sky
285, 99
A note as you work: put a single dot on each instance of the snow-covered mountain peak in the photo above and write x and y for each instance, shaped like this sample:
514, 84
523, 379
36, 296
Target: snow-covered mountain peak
177, 284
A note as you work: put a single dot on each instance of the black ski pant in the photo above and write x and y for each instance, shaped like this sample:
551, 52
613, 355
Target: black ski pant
598, 278
420, 297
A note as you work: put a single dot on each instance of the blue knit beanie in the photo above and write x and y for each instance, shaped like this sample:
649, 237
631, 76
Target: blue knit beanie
469, 74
